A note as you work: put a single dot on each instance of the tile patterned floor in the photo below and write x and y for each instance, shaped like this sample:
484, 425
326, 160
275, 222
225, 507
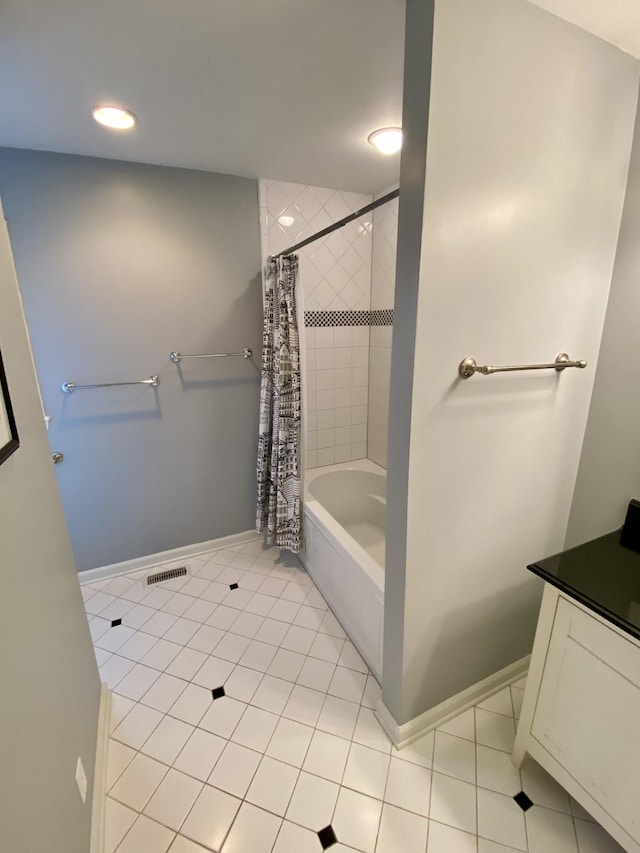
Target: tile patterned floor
242, 722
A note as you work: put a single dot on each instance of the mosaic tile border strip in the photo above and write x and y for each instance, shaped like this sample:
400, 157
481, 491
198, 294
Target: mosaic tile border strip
383, 317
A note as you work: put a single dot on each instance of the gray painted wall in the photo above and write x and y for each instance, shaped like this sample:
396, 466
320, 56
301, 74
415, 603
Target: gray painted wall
609, 472
119, 264
50, 688
526, 165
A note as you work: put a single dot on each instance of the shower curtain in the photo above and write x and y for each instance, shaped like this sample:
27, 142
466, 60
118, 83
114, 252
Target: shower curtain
279, 508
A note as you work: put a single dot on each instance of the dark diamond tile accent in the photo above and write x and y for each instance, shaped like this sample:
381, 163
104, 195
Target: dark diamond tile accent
218, 692
233, 586
116, 622
523, 801
327, 837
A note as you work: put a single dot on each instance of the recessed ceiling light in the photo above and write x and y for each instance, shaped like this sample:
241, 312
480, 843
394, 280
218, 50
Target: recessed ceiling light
387, 140
286, 221
114, 117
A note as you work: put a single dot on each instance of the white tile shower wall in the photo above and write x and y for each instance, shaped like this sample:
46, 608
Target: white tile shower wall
383, 274
335, 274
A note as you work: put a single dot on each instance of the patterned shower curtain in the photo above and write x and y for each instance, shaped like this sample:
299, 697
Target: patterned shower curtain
278, 510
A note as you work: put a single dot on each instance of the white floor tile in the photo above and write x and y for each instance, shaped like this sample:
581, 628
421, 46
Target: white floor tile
231, 647
499, 703
213, 672
200, 754
185, 845
402, 831
295, 839
211, 817
181, 631
252, 580
98, 627
419, 752
114, 670
138, 645
311, 618
164, 692
313, 802
205, 639
315, 599
501, 819
453, 802
330, 625
146, 834
304, 705
350, 657
327, 648
186, 664
254, 831
486, 846
242, 598
120, 707
286, 665
98, 602
408, 787
159, 623
272, 631
494, 730
247, 625
114, 638
542, 789
593, 839
192, 704
272, 694
462, 725
137, 726
338, 717
446, 839
347, 684
242, 683
455, 756
223, 716
255, 728
200, 610
173, 799
366, 771
137, 783
258, 656
316, 674
138, 616
578, 811
290, 742
261, 604
327, 756
167, 740
298, 639
284, 611
273, 785
137, 681
549, 831
356, 820
235, 769
223, 617
496, 771
118, 819
119, 757
517, 695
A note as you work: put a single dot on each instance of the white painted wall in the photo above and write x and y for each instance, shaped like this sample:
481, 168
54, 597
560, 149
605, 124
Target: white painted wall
530, 129
609, 472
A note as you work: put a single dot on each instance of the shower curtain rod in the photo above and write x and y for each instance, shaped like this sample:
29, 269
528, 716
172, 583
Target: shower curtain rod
341, 223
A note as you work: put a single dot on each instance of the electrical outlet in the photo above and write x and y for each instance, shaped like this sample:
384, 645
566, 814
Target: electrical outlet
81, 780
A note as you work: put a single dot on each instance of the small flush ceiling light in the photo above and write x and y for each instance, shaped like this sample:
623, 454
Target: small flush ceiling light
114, 117
286, 221
387, 140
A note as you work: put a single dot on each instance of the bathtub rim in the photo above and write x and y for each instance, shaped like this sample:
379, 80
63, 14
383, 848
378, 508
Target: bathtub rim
343, 541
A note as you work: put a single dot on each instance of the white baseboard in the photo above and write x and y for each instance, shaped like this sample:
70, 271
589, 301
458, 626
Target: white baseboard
152, 560
99, 799
403, 735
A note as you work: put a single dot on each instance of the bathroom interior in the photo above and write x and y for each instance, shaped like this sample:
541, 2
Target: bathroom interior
425, 675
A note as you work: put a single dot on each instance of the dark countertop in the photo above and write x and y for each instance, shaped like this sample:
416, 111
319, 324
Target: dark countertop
600, 574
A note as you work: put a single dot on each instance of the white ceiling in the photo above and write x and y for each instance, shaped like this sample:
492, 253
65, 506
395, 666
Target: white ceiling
284, 89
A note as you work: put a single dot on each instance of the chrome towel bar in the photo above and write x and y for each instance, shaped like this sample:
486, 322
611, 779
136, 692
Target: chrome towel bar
69, 387
468, 366
178, 356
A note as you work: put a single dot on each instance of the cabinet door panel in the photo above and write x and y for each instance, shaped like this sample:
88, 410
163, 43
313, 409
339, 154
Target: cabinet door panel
588, 711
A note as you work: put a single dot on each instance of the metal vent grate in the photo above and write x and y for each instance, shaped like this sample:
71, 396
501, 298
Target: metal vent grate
167, 575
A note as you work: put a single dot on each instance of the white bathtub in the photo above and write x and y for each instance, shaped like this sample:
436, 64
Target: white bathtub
345, 507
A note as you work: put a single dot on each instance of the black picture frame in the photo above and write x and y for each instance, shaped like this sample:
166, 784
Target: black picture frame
8, 428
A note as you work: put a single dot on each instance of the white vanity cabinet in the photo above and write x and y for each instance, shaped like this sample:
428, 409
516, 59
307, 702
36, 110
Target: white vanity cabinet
580, 717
